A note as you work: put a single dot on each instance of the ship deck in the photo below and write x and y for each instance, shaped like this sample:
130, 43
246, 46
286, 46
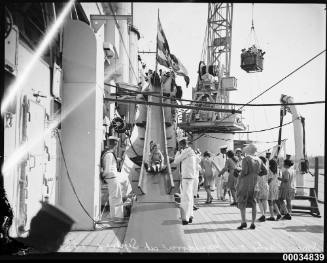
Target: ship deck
214, 230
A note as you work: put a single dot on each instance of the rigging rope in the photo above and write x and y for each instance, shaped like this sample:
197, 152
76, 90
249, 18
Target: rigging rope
70, 180
272, 128
73, 187
252, 31
130, 92
224, 139
298, 68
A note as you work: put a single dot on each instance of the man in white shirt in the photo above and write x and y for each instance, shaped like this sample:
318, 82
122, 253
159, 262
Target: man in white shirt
187, 157
220, 160
111, 176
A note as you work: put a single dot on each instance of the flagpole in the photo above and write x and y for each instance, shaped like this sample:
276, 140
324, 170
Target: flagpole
157, 43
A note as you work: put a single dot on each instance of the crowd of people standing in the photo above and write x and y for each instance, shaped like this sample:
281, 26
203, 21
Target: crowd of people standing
249, 180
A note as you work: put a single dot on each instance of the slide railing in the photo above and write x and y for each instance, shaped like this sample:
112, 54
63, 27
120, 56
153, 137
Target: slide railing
155, 186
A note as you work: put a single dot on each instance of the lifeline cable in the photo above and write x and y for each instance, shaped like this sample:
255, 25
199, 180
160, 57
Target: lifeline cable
259, 130
270, 148
224, 139
275, 85
272, 128
131, 92
70, 180
72, 185
283, 78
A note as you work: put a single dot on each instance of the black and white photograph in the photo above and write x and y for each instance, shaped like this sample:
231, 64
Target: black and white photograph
163, 128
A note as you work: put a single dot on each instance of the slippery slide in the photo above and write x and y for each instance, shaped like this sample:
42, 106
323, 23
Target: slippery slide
155, 224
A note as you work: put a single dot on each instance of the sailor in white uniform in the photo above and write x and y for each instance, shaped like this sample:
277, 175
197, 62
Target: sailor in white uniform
220, 160
111, 176
187, 158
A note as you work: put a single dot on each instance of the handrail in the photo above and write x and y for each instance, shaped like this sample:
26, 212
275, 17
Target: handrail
146, 135
170, 178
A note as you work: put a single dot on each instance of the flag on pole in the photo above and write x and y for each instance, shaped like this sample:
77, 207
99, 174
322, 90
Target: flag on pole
163, 53
179, 68
165, 58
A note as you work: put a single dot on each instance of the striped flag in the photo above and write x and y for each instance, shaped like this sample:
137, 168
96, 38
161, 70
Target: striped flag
163, 53
179, 68
166, 59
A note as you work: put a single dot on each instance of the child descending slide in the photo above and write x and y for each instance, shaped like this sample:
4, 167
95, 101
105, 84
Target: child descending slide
155, 159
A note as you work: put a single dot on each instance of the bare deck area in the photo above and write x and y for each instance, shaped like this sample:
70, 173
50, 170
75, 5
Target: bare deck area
214, 230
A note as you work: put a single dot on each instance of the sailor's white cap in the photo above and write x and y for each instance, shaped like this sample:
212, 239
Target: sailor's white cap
113, 138
182, 138
238, 150
223, 147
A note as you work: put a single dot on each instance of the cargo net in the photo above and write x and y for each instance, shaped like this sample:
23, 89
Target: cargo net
252, 58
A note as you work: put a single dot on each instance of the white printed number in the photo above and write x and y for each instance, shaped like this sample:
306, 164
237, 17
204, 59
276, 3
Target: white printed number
303, 257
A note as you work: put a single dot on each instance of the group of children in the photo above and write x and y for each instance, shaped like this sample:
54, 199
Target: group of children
271, 190
274, 188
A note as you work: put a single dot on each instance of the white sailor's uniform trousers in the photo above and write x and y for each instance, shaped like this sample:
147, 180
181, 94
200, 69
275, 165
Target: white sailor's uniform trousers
115, 198
187, 200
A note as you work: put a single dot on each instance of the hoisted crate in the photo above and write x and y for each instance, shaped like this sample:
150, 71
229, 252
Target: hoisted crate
252, 59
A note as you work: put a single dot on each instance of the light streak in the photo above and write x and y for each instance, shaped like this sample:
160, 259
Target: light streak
16, 86
20, 153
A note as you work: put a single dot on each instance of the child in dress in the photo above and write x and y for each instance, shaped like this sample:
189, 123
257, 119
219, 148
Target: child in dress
225, 187
155, 159
207, 165
285, 189
262, 196
273, 190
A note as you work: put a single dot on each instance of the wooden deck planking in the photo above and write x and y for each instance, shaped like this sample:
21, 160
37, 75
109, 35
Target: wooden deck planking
219, 241
96, 241
72, 240
105, 235
190, 240
193, 242
268, 239
86, 244
208, 229
106, 243
229, 241
211, 241
117, 241
269, 236
226, 226
304, 239
248, 243
196, 240
214, 230
236, 234
246, 236
233, 216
